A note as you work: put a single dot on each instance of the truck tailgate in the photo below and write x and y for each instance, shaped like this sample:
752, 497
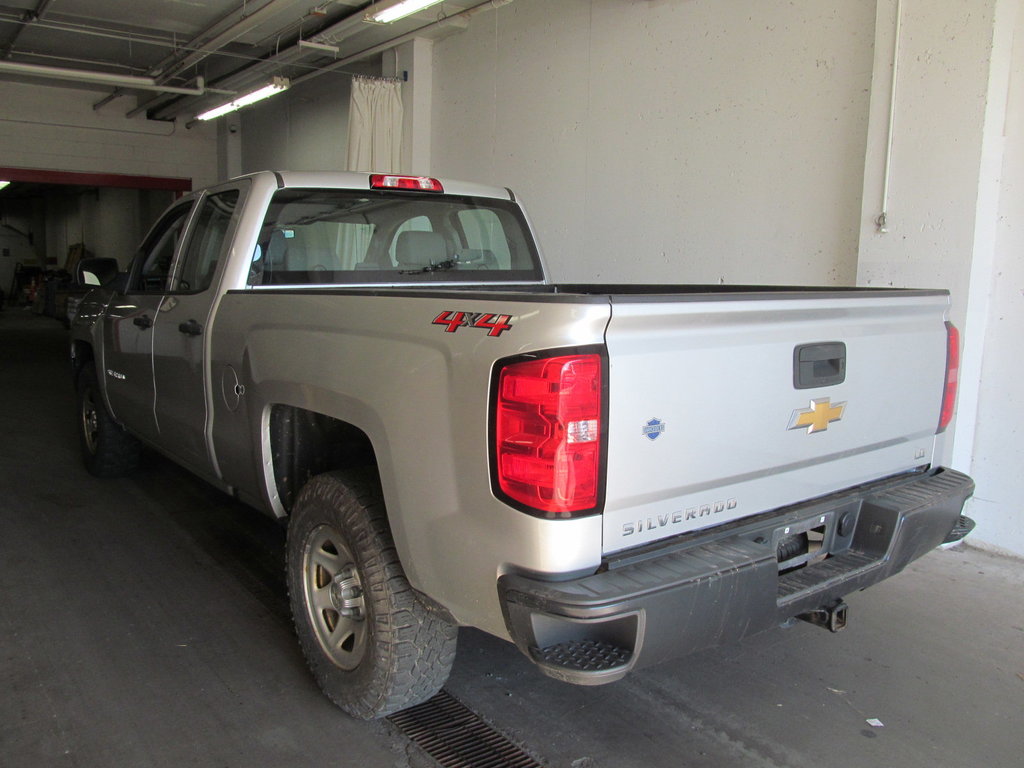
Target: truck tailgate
706, 422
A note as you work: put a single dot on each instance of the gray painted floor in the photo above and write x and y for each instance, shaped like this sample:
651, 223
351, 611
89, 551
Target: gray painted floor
144, 622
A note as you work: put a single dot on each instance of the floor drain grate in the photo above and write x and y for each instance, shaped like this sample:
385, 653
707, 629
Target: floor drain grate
456, 737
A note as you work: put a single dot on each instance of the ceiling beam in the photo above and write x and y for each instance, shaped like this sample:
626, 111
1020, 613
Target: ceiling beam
28, 17
225, 30
263, 69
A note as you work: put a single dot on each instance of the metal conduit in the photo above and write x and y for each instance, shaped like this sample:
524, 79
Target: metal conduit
882, 221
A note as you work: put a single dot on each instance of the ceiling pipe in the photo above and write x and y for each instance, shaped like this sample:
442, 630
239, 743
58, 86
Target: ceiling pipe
272, 65
290, 54
100, 78
225, 30
333, 35
199, 50
465, 16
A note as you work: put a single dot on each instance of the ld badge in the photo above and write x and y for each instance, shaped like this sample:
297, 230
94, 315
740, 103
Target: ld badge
818, 416
653, 429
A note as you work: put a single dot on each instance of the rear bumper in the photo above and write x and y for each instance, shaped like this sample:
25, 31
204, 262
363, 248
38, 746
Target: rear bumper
720, 585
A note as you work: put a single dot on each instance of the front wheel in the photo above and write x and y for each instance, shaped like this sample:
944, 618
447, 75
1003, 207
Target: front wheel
107, 449
372, 645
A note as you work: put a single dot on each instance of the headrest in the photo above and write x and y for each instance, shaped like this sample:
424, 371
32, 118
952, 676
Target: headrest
420, 249
276, 249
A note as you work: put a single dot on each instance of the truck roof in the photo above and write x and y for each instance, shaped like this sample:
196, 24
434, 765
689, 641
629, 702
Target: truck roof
360, 180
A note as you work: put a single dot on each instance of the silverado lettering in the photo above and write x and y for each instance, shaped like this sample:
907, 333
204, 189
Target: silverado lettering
691, 513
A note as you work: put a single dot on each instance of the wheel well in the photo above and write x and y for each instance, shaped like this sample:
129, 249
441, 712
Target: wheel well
305, 444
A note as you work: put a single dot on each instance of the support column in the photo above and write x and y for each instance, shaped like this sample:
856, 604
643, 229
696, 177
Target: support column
414, 60
946, 188
229, 147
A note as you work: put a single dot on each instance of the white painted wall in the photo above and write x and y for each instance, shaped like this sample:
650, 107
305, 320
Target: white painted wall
52, 128
115, 220
111, 222
303, 129
955, 200
997, 451
736, 141
65, 226
15, 248
700, 141
415, 60
940, 113
56, 128
23, 235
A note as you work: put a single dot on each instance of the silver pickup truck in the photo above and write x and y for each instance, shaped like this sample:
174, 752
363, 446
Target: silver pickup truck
607, 476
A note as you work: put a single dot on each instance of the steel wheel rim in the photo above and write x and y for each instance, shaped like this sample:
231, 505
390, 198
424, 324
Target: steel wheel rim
90, 421
333, 592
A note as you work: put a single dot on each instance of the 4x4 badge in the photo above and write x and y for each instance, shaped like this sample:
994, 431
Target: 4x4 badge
818, 416
493, 323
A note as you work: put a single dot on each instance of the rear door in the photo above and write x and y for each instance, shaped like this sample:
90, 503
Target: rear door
181, 330
726, 407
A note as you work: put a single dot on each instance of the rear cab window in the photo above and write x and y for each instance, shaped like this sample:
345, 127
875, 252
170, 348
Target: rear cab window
345, 237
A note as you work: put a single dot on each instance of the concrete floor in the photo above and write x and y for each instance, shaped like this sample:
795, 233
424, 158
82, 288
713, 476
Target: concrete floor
144, 622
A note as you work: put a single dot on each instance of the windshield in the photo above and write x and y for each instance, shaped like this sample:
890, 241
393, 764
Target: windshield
332, 236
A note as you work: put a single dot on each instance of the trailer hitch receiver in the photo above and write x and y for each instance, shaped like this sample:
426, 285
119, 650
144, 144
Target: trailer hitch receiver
831, 617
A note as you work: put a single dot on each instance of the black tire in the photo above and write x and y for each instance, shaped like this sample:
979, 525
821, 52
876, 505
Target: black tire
372, 645
107, 449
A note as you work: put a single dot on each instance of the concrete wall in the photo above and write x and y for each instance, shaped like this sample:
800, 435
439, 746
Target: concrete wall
735, 141
57, 129
939, 121
700, 141
53, 128
20, 240
955, 199
65, 226
110, 222
303, 129
116, 220
996, 450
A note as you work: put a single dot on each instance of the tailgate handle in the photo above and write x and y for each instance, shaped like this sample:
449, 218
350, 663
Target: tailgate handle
819, 365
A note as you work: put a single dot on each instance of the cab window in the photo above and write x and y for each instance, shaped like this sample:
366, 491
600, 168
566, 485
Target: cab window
157, 253
206, 243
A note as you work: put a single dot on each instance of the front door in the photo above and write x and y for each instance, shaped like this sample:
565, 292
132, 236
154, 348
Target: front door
129, 322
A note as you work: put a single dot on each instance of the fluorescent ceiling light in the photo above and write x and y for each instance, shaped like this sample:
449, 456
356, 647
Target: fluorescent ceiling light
318, 46
279, 84
4, 184
395, 11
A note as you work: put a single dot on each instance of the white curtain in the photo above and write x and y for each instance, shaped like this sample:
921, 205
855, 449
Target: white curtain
375, 125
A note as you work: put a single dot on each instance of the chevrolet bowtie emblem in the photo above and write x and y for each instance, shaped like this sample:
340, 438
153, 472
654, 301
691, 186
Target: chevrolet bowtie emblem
818, 416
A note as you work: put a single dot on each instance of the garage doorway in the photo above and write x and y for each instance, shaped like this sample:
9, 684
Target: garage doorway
49, 220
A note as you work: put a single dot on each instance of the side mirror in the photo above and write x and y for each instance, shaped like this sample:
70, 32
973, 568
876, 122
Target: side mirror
93, 272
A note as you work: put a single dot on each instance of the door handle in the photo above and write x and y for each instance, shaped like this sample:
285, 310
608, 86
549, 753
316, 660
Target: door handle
191, 328
819, 365
143, 321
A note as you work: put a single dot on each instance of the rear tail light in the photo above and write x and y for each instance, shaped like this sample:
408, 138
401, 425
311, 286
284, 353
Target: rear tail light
414, 183
952, 376
548, 434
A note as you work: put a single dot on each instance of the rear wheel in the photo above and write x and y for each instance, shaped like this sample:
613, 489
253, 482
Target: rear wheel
372, 645
107, 449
